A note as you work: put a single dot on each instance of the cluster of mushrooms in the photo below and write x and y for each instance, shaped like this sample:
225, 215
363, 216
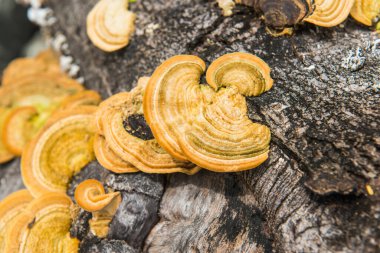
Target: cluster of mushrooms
282, 15
110, 24
168, 123
184, 125
45, 118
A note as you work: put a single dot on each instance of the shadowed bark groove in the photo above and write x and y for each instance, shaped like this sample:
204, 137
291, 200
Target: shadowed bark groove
322, 111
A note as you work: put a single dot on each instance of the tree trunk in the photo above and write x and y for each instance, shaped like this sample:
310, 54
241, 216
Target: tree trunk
323, 111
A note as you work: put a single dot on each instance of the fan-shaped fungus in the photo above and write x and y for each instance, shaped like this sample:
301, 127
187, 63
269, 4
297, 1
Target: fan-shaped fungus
366, 12
19, 128
39, 95
62, 148
209, 127
86, 97
330, 13
141, 151
43, 227
12, 206
110, 24
44, 62
91, 196
5, 154
108, 159
226, 6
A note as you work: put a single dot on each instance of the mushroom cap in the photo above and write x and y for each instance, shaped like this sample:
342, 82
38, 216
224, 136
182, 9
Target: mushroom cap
108, 159
85, 97
91, 196
209, 126
45, 62
46, 219
110, 24
19, 128
60, 150
44, 92
366, 11
145, 154
10, 207
329, 13
5, 154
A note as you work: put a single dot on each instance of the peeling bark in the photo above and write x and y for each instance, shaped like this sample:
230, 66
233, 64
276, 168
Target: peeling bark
323, 113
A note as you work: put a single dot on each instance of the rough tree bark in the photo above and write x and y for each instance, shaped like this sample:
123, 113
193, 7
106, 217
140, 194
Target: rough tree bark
323, 112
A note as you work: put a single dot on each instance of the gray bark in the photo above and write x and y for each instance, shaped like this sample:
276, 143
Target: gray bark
323, 112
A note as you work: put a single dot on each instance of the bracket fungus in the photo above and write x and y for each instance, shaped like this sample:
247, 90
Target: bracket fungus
208, 125
108, 159
86, 97
61, 149
32, 89
45, 62
110, 24
5, 154
226, 6
329, 13
91, 196
10, 208
18, 128
367, 12
134, 143
30, 101
43, 226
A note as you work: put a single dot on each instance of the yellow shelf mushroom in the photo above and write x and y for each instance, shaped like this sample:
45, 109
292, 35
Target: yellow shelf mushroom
108, 159
86, 97
110, 25
30, 101
60, 150
32, 89
10, 208
91, 196
45, 62
43, 227
5, 154
366, 12
207, 125
145, 154
18, 128
329, 13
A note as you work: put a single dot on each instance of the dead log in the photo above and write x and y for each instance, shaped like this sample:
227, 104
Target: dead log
310, 196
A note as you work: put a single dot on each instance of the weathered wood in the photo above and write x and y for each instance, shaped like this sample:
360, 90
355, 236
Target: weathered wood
323, 113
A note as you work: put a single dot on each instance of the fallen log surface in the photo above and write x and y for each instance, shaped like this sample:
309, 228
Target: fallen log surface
323, 111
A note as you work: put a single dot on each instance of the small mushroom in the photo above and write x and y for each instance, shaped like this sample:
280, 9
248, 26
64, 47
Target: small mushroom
227, 6
209, 126
60, 150
329, 13
10, 207
91, 196
366, 12
19, 128
110, 24
45, 62
44, 226
141, 151
5, 154
86, 97
108, 159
